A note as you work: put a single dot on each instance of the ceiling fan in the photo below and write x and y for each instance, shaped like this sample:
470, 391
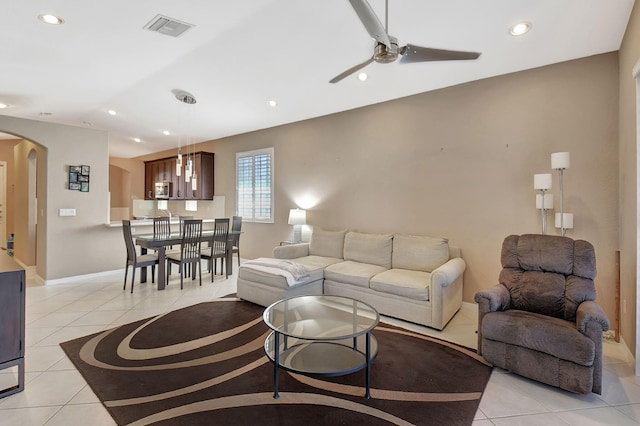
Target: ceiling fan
387, 50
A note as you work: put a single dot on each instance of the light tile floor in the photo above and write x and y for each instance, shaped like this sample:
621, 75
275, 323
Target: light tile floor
56, 394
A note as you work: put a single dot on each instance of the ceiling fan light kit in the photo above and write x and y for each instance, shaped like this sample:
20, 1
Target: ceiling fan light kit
387, 48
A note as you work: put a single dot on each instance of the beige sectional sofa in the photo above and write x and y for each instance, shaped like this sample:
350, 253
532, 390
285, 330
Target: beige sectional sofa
414, 278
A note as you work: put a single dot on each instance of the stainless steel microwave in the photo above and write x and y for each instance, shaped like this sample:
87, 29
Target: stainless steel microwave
163, 189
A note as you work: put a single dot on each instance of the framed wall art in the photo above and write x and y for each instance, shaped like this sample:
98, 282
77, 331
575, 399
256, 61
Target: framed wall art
79, 178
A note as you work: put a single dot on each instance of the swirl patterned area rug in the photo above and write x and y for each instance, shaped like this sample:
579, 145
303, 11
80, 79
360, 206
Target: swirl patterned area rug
205, 364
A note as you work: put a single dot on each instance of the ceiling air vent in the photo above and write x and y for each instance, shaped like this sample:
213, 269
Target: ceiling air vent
168, 26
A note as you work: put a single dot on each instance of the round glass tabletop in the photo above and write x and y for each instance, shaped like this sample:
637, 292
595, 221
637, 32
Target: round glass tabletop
321, 317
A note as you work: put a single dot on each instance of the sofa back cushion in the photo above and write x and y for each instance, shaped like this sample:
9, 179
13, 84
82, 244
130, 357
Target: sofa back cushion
419, 253
327, 243
374, 249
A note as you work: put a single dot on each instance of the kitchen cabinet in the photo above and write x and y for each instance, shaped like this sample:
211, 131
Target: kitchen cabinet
12, 295
164, 170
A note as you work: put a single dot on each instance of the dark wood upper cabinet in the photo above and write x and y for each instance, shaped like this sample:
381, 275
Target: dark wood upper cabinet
164, 170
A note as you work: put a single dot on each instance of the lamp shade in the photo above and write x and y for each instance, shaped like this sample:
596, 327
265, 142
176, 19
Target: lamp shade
542, 181
297, 217
548, 201
568, 221
560, 160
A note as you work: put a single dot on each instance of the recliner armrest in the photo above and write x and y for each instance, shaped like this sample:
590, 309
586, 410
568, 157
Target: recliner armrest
496, 298
291, 251
446, 274
590, 311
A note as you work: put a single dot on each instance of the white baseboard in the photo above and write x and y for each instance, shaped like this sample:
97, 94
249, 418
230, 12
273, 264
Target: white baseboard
82, 277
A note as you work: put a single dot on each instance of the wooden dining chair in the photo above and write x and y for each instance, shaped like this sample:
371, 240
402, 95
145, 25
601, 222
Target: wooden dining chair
181, 225
234, 239
134, 259
218, 246
189, 250
161, 226
182, 219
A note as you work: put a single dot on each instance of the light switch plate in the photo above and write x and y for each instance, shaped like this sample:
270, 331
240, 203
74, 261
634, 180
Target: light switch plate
67, 212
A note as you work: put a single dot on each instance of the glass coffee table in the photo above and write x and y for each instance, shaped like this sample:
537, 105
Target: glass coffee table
321, 336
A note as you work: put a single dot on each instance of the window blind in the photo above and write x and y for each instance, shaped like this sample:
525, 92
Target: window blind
254, 185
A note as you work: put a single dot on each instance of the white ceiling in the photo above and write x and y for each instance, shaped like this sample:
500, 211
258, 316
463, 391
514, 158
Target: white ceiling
241, 54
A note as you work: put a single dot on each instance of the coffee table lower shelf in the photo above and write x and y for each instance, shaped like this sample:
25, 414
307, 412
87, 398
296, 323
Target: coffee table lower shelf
321, 358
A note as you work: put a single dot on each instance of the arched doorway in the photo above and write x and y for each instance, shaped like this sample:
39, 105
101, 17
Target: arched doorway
23, 163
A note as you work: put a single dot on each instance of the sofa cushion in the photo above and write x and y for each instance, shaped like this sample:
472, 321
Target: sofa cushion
553, 336
419, 253
327, 243
374, 249
274, 280
403, 282
317, 262
351, 272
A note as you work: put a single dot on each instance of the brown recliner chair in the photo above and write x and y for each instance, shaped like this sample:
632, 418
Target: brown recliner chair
542, 321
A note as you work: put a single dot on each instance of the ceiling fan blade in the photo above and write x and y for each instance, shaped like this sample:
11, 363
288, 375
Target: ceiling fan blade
425, 54
351, 71
370, 21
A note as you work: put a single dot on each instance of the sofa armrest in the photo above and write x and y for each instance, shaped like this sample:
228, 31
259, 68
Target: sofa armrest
291, 251
446, 274
590, 311
592, 322
445, 291
493, 299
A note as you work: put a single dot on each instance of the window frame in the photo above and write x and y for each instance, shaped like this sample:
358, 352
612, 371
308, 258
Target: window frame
253, 155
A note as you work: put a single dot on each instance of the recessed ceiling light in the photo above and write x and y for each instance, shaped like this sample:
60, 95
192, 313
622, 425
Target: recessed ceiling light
51, 19
363, 76
166, 132
520, 28
2, 105
137, 140
112, 112
273, 103
45, 113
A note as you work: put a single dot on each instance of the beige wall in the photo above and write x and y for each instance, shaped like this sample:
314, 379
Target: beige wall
27, 156
457, 162
119, 186
628, 158
68, 246
6, 154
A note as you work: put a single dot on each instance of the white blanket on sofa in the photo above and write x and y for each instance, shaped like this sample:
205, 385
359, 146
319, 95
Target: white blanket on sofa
293, 272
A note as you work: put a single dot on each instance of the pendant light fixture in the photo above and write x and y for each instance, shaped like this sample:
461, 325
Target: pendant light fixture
189, 170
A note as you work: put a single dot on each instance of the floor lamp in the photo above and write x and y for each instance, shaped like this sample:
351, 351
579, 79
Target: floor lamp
561, 161
544, 201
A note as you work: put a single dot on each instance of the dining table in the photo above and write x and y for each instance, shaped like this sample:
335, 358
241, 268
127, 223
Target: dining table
160, 243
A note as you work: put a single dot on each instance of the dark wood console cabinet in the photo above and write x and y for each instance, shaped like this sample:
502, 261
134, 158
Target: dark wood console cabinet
164, 170
12, 298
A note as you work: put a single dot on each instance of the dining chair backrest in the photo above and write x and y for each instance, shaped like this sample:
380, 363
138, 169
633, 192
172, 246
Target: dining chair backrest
236, 223
161, 226
182, 219
128, 240
191, 235
220, 235
236, 226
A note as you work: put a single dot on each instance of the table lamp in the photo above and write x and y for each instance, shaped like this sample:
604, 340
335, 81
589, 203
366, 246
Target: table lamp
297, 218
